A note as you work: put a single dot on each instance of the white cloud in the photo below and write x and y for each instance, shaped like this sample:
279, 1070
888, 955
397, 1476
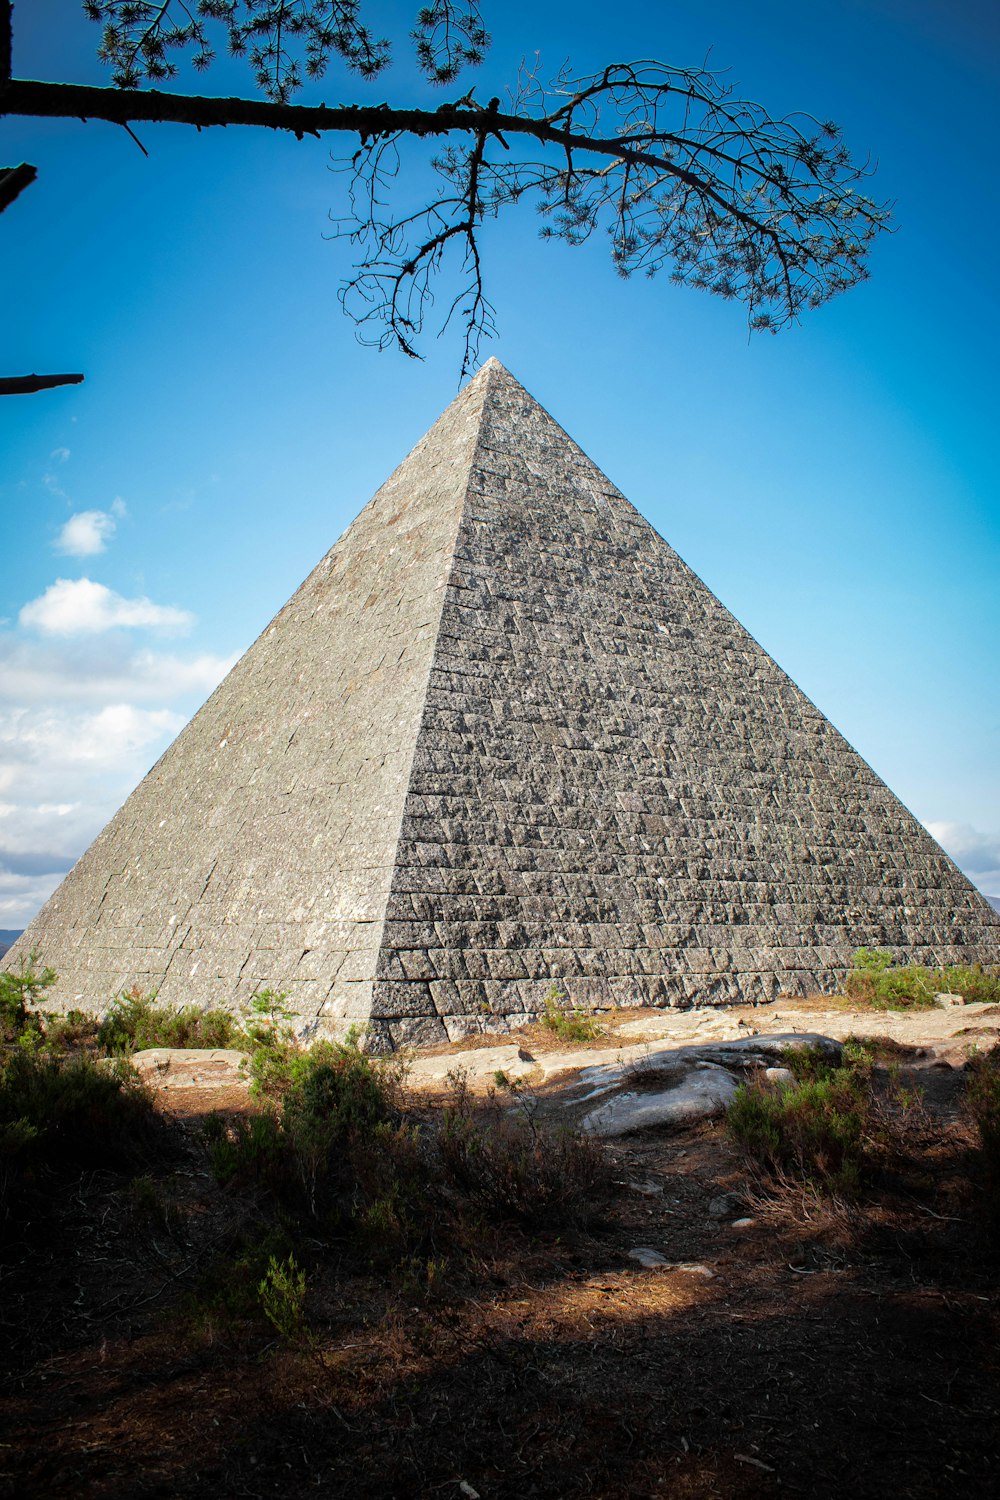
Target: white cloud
86, 533
108, 738
21, 896
81, 721
976, 853
60, 455
99, 670
81, 607
90, 761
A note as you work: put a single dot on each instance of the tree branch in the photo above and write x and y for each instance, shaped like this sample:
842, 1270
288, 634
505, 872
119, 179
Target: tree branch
13, 181
27, 385
70, 101
6, 44
675, 168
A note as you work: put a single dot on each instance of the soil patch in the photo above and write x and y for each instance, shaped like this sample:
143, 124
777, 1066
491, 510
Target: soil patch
783, 1344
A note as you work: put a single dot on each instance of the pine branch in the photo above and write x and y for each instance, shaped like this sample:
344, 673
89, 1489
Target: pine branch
13, 181
679, 172
28, 385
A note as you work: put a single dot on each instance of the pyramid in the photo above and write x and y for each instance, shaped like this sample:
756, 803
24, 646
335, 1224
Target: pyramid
501, 739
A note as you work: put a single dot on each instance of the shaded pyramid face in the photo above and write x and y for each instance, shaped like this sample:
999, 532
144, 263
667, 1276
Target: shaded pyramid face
502, 738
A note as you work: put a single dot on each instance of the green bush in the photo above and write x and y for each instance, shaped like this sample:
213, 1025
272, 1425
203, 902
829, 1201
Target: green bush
282, 1293
971, 981
20, 990
72, 1031
134, 1021
876, 981
821, 1128
324, 1148
511, 1165
227, 1292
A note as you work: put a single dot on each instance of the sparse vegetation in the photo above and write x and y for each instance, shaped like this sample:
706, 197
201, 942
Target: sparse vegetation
982, 1098
511, 1165
876, 980
567, 1022
135, 1021
386, 1291
832, 1127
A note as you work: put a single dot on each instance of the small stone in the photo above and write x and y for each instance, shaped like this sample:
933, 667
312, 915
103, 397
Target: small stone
647, 1189
742, 1224
783, 1076
946, 1000
724, 1205
651, 1259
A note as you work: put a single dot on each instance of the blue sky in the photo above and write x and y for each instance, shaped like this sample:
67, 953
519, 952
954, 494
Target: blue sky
836, 485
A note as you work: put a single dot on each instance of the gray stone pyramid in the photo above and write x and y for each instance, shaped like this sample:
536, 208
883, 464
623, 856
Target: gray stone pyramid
501, 738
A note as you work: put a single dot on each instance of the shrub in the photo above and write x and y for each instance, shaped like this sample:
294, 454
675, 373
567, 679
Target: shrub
836, 1126
282, 1294
875, 981
814, 1129
329, 1147
73, 1030
72, 1113
227, 1292
982, 1101
566, 1022
20, 990
134, 1021
820, 1128
971, 981
511, 1165
275, 1058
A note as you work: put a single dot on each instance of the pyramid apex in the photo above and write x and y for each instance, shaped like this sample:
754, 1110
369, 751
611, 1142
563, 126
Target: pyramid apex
489, 367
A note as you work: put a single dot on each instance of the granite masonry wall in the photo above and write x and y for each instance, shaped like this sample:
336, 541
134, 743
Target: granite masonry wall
502, 738
616, 789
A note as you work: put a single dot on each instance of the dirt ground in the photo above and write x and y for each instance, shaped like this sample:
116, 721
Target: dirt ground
788, 1345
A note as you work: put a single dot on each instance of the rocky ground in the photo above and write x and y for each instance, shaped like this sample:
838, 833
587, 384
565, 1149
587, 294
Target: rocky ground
703, 1337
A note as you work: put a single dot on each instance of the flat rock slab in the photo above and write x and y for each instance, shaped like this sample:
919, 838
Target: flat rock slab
600, 1073
700, 1095
190, 1067
477, 1065
710, 1022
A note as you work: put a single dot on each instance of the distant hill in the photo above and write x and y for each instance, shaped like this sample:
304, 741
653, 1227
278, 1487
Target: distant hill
8, 937
994, 902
